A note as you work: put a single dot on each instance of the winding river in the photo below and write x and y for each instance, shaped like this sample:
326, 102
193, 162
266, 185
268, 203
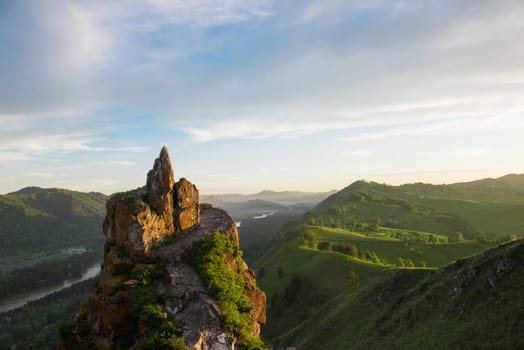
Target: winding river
22, 299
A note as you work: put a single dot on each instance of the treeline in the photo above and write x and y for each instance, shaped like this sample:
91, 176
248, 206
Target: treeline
350, 250
341, 213
492, 239
349, 223
419, 237
46, 274
402, 262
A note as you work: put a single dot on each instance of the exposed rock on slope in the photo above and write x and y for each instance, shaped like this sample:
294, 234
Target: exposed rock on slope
154, 229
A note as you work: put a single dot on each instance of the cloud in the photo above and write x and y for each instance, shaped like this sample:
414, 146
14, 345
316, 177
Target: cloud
10, 156
123, 163
447, 126
474, 152
29, 138
259, 129
358, 153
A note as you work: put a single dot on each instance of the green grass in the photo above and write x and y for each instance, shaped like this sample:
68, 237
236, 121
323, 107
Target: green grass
433, 255
210, 256
420, 309
481, 207
324, 273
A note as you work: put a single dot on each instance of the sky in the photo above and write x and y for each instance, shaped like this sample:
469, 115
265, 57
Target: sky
250, 95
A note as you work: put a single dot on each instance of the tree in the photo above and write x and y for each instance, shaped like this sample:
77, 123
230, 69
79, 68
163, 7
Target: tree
456, 236
352, 277
293, 288
312, 221
400, 262
261, 273
352, 251
409, 263
508, 238
280, 272
324, 245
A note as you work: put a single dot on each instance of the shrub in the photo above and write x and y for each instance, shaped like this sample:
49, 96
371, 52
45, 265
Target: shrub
324, 245
208, 257
161, 333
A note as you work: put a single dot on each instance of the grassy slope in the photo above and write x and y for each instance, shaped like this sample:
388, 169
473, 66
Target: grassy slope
454, 307
324, 275
327, 312
390, 249
485, 206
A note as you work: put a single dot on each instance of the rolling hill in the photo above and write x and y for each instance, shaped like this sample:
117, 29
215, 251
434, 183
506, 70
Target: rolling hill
324, 273
36, 220
484, 207
474, 303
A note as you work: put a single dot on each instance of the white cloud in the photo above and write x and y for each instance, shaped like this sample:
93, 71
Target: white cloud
42, 174
207, 13
10, 156
359, 152
446, 126
123, 163
474, 152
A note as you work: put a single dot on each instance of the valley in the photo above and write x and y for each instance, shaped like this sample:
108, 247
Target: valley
322, 264
368, 234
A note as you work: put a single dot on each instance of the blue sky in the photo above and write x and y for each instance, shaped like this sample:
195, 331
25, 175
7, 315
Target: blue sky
251, 95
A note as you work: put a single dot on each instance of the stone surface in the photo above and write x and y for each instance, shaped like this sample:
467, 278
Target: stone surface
160, 183
187, 209
188, 300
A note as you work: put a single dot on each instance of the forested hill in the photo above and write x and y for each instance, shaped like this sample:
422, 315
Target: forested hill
38, 220
487, 207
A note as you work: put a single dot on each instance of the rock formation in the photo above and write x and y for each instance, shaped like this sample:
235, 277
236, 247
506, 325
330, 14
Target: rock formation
158, 225
187, 211
137, 220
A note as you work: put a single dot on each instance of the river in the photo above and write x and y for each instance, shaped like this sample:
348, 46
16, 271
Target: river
22, 299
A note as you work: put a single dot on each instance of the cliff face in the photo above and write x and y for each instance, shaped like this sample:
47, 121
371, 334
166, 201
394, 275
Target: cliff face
155, 228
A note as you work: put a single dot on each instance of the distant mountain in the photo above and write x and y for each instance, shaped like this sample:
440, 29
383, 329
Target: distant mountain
488, 206
283, 197
36, 220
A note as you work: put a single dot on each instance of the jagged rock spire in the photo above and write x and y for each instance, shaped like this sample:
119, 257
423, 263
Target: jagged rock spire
161, 182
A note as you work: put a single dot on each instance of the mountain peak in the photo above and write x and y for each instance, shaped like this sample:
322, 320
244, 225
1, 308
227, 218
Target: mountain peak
160, 182
151, 289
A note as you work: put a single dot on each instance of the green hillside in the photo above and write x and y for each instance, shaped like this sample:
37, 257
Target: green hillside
489, 207
307, 267
340, 278
41, 224
475, 303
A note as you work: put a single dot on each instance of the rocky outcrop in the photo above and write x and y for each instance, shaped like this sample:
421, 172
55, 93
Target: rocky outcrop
187, 210
138, 226
160, 184
138, 220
